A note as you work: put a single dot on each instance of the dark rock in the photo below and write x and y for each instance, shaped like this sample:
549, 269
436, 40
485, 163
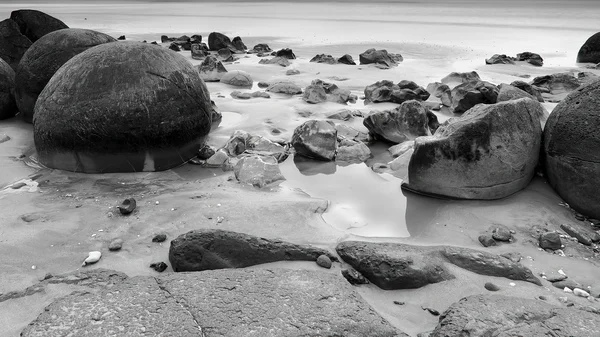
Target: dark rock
528, 89
166, 39
35, 24
474, 156
284, 87
508, 92
174, 47
557, 83
13, 44
225, 55
496, 315
567, 283
531, 58
488, 264
261, 48
218, 41
127, 206
572, 149
347, 59
432, 311
324, 261
379, 57
408, 121
556, 277
239, 44
314, 93
467, 95
403, 95
286, 53
211, 69
323, 58
455, 77
159, 266
115, 245
8, 106
590, 51
581, 235
122, 37
487, 240
399, 303
279, 60
258, 170
491, 287
199, 51
316, 139
380, 91
238, 78
206, 249
501, 233
159, 238
44, 58
354, 277
550, 240
108, 137
500, 59
196, 38
264, 85
432, 121
394, 266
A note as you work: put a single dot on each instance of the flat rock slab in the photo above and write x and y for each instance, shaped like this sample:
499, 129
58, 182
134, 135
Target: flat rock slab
502, 316
233, 302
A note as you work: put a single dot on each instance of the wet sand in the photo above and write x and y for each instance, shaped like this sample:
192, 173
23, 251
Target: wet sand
49, 225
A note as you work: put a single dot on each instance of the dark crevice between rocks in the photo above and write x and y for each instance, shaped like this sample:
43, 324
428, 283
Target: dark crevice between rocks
183, 305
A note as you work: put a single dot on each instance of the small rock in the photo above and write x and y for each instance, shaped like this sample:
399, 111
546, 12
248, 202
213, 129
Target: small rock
595, 291
543, 298
292, 72
324, 261
354, 277
115, 245
127, 206
550, 240
159, 266
398, 303
491, 287
568, 283
581, 293
501, 234
205, 152
432, 311
567, 290
92, 258
487, 240
577, 233
159, 238
263, 84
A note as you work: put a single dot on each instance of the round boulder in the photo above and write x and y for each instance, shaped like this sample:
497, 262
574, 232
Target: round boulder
35, 24
8, 108
238, 78
122, 107
43, 59
572, 149
590, 51
316, 139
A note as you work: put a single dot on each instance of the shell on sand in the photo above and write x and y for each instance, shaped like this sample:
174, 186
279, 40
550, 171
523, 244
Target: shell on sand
93, 257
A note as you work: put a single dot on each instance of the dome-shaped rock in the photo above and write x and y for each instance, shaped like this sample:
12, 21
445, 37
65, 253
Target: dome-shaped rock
35, 24
316, 139
590, 51
490, 152
122, 107
238, 78
44, 58
8, 108
572, 149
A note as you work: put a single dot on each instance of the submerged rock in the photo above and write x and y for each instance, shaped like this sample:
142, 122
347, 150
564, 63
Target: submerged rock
351, 151
572, 149
44, 58
206, 249
316, 139
476, 155
113, 135
406, 122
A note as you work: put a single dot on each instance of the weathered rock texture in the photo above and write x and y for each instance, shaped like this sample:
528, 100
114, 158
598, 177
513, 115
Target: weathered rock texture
8, 107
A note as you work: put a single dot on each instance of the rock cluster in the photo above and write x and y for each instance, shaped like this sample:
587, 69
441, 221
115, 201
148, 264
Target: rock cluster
387, 91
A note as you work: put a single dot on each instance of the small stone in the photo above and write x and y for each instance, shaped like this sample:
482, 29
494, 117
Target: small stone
115, 245
127, 206
556, 277
563, 299
568, 283
354, 277
512, 284
501, 234
543, 298
579, 216
159, 266
159, 238
398, 303
33, 267
577, 233
491, 287
550, 240
263, 84
324, 261
292, 72
487, 240
432, 311
92, 258
567, 290
581, 293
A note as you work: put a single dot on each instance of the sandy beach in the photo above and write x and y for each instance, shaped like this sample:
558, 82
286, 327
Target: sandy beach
54, 218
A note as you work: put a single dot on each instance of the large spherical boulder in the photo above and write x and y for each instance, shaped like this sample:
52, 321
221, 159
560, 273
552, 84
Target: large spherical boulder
35, 24
490, 152
572, 149
8, 108
590, 51
43, 59
122, 107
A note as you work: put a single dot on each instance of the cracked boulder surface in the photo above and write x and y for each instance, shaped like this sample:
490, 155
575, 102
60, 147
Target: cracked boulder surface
572, 149
490, 152
502, 316
207, 249
233, 302
401, 266
122, 107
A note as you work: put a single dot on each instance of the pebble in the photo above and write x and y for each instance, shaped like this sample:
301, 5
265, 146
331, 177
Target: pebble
501, 234
324, 261
543, 298
93, 257
115, 245
159, 238
487, 240
491, 287
354, 277
581, 293
512, 284
563, 299
432, 311
550, 240
398, 303
127, 206
159, 266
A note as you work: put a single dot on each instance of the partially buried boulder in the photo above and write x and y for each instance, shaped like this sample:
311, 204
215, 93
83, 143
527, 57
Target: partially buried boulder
590, 51
211, 69
122, 107
500, 59
528, 88
8, 107
238, 44
285, 52
35, 24
206, 249
259, 171
468, 94
557, 83
380, 58
572, 149
218, 41
324, 58
531, 58
13, 44
455, 77
43, 59
488, 153
315, 139
408, 121
284, 87
278, 60
495, 315
346, 59
238, 78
